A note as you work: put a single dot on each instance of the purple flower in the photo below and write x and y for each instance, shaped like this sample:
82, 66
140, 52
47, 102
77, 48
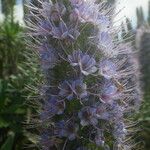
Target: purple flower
66, 90
88, 116
63, 32
105, 42
74, 15
70, 89
108, 69
99, 138
48, 56
57, 11
110, 92
66, 129
88, 11
52, 107
75, 58
109, 111
45, 11
103, 22
48, 140
53, 11
44, 28
119, 131
76, 2
83, 61
102, 112
60, 129
115, 111
58, 105
79, 89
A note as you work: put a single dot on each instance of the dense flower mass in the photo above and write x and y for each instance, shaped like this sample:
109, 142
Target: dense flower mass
91, 78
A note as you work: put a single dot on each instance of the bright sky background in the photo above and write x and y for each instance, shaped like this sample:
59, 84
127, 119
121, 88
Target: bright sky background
128, 11
18, 11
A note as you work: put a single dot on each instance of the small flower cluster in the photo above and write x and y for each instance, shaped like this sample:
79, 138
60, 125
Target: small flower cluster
91, 87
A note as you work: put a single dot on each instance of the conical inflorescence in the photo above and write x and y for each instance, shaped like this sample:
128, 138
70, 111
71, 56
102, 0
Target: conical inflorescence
91, 77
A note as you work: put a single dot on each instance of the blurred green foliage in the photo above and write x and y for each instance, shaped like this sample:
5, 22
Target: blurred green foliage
142, 38
15, 75
145, 70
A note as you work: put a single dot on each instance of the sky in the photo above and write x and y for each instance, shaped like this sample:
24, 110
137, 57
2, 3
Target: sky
18, 9
128, 9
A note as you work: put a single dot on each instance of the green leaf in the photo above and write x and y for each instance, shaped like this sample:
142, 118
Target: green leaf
9, 142
3, 123
14, 109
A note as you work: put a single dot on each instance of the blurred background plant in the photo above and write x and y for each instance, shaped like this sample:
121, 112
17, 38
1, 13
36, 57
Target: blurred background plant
141, 36
16, 74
